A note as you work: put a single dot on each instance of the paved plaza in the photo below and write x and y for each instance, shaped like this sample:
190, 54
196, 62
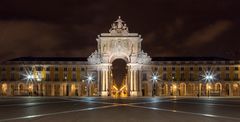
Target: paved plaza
156, 109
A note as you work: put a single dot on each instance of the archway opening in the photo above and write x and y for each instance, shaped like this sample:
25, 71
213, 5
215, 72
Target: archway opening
119, 77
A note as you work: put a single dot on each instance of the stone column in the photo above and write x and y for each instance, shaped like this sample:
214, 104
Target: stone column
61, 89
52, 89
99, 82
105, 68
140, 82
200, 89
79, 89
134, 79
131, 81
8, 91
230, 90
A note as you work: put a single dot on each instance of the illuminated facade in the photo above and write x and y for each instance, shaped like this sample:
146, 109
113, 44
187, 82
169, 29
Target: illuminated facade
145, 76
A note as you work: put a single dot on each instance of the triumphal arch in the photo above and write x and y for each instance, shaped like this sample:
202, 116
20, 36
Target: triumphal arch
119, 43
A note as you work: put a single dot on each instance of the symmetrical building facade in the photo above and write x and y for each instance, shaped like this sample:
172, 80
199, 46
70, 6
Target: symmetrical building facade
96, 75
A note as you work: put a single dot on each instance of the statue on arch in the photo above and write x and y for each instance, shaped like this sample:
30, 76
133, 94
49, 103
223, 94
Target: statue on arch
119, 27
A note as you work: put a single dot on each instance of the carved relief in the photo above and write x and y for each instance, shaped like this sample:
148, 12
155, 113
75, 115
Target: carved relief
119, 47
94, 58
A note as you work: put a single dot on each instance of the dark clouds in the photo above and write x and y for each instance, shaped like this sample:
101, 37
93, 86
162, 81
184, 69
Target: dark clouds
70, 27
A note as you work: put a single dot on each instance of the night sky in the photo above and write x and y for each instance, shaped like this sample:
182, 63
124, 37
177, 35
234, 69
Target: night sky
168, 27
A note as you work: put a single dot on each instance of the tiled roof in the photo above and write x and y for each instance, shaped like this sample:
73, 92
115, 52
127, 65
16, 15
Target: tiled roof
189, 59
49, 59
153, 59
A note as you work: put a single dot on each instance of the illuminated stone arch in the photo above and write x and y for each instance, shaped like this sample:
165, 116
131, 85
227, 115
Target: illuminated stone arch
164, 89
118, 44
218, 86
4, 88
22, 88
115, 56
182, 89
235, 89
190, 89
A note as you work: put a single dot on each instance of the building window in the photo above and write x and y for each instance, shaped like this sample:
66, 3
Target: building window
12, 78
144, 78
48, 69
56, 68
191, 77
191, 68
164, 76
82, 69
12, 68
218, 77
218, 68
47, 77
21, 68
173, 68
200, 68
73, 69
3, 69
182, 77
227, 68
227, 76
65, 69
74, 77
56, 77
3, 76
236, 68
39, 68
209, 68
236, 76
164, 68
182, 68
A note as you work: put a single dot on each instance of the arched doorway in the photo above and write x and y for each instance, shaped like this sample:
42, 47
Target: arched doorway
191, 89
182, 89
49, 89
119, 78
4, 89
57, 90
235, 89
218, 89
164, 89
22, 90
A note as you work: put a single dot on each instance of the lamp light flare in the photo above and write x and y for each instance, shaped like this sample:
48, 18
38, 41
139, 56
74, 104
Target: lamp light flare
209, 76
90, 77
29, 77
155, 77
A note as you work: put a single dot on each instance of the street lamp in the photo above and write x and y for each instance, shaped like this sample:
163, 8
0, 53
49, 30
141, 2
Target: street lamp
208, 76
154, 79
89, 79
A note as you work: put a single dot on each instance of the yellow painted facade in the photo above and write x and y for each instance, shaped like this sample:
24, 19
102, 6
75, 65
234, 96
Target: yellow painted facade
12, 84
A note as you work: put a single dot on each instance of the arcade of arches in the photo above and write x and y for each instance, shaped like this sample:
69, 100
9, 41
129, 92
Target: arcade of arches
119, 89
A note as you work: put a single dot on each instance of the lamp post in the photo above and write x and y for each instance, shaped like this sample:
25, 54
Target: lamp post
154, 79
208, 77
89, 79
31, 77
